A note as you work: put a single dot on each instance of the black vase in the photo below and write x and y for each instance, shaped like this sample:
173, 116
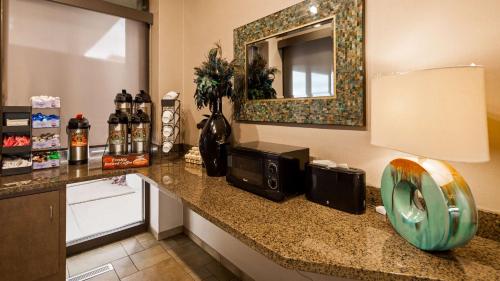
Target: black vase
214, 142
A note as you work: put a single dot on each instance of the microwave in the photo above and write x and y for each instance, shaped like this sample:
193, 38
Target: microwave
274, 171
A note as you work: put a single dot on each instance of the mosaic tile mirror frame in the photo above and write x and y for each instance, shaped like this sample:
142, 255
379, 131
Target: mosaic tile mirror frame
347, 106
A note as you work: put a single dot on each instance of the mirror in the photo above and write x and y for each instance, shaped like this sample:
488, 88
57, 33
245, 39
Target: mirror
302, 67
294, 64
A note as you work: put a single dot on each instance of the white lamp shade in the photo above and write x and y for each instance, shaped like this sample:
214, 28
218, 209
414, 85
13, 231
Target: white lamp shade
435, 113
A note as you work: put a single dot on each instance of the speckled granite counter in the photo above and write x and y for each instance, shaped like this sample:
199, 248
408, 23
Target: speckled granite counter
296, 234
51, 179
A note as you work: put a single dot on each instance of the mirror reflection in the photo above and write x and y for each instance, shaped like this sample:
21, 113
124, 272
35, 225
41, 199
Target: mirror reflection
295, 64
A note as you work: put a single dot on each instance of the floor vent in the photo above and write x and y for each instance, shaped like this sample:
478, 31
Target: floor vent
91, 273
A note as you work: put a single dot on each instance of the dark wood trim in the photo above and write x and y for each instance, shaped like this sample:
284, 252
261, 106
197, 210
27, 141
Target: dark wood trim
105, 240
110, 9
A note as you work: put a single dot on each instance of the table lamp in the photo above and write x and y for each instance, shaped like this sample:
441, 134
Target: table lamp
433, 114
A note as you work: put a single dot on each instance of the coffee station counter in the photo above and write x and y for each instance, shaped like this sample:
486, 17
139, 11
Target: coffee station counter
296, 234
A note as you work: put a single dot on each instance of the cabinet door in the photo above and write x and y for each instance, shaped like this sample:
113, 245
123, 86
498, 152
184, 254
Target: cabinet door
29, 237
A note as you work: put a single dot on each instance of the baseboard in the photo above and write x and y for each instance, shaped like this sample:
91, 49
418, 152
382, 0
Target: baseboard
167, 233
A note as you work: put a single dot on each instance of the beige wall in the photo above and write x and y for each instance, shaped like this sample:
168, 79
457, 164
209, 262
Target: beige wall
166, 60
400, 35
206, 22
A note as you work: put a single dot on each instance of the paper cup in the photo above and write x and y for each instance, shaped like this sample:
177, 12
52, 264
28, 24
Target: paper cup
167, 146
168, 131
167, 116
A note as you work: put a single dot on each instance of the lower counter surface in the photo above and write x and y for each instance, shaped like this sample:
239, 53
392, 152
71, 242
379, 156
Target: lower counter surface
296, 234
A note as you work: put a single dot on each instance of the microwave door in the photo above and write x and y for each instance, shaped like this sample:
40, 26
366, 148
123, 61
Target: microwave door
247, 169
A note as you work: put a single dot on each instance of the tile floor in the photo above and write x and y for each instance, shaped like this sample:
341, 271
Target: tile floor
144, 258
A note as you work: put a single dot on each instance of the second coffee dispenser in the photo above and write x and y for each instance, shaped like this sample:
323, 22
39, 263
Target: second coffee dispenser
141, 129
118, 133
142, 101
129, 126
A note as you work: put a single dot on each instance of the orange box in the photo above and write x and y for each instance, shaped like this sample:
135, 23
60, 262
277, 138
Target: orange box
112, 162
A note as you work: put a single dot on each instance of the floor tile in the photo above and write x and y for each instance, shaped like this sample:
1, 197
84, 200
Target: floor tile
168, 244
149, 257
198, 273
182, 239
167, 270
124, 267
131, 245
143, 237
193, 257
108, 276
95, 258
176, 258
149, 243
176, 241
220, 272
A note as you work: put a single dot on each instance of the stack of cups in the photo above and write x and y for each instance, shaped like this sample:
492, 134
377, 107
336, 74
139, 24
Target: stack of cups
169, 132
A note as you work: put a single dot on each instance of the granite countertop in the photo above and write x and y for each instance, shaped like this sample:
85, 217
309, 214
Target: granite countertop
296, 234
52, 179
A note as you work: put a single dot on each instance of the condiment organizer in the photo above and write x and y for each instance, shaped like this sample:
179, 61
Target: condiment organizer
171, 127
16, 140
46, 128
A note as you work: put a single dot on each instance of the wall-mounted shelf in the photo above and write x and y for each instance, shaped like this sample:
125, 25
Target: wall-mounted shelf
47, 149
16, 129
16, 171
16, 149
40, 128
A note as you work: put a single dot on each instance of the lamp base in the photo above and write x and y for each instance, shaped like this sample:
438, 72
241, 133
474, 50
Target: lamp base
429, 204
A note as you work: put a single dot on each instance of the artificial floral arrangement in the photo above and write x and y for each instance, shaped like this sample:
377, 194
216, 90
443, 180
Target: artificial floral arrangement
214, 80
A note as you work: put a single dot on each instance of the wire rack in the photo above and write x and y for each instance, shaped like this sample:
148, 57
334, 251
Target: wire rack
171, 128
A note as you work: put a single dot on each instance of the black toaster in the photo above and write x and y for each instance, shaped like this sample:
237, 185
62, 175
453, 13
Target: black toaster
343, 189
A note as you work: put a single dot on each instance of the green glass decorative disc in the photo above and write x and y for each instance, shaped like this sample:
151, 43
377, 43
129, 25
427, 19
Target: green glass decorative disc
429, 204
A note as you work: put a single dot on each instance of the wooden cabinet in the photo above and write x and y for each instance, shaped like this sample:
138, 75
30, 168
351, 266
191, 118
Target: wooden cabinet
32, 237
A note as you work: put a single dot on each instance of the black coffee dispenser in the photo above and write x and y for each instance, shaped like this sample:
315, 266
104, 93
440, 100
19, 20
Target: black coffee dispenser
142, 101
343, 189
123, 102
